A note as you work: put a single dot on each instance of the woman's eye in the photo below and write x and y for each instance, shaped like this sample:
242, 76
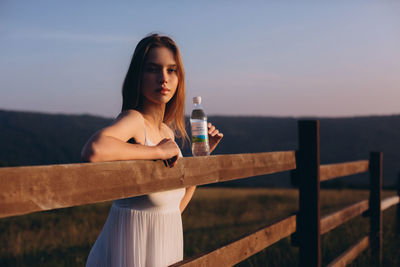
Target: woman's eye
152, 69
171, 70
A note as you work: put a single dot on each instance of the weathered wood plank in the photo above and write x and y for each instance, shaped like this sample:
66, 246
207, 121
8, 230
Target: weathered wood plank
245, 247
331, 171
350, 254
29, 189
390, 201
333, 220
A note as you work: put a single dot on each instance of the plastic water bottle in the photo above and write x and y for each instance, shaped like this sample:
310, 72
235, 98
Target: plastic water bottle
198, 123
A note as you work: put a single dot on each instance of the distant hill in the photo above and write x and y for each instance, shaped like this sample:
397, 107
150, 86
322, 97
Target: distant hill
28, 138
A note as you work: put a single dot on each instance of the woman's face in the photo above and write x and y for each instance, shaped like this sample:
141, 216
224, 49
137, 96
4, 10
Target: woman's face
159, 78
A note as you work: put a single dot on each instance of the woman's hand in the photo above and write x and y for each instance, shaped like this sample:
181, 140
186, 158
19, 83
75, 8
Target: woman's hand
169, 151
214, 136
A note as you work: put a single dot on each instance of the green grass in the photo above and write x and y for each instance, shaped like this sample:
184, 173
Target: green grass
214, 217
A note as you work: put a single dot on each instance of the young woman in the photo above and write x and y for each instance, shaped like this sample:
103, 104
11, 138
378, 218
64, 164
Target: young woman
146, 230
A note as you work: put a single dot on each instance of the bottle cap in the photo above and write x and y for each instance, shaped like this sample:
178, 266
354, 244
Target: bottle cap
197, 100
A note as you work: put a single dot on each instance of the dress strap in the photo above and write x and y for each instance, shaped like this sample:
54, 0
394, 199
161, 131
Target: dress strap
145, 132
147, 141
145, 135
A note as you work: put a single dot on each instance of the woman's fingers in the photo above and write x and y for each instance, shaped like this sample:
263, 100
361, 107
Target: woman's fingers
214, 136
172, 161
169, 149
211, 128
171, 152
214, 131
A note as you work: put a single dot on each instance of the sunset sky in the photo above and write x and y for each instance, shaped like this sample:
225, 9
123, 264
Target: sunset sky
269, 58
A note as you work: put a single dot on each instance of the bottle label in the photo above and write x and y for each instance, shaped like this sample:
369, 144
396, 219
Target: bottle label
199, 131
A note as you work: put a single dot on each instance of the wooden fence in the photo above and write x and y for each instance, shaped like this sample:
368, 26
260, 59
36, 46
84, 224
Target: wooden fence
29, 189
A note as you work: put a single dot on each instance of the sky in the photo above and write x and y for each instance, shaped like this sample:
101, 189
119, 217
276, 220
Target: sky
263, 58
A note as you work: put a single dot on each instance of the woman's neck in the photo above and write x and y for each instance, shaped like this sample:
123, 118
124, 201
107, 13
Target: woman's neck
153, 113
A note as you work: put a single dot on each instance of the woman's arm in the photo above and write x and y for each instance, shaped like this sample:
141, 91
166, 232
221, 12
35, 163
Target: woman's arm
214, 137
110, 143
187, 197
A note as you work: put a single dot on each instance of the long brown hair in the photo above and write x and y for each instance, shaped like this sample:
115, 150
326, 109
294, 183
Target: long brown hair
132, 97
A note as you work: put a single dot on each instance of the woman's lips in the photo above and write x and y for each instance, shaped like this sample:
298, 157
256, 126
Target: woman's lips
163, 91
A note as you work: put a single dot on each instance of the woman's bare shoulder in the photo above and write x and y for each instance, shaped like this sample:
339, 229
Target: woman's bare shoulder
129, 118
130, 114
128, 124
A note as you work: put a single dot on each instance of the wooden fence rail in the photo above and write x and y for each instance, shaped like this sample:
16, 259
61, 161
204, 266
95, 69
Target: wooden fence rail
244, 247
390, 201
351, 253
29, 189
338, 218
331, 171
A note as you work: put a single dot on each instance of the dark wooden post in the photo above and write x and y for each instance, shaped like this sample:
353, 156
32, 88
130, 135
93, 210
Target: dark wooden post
375, 169
398, 207
307, 177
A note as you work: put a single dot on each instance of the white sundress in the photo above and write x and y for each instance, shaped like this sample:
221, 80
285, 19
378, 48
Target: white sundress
142, 231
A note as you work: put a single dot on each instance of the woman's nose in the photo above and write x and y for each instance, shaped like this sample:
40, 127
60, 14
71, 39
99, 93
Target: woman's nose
163, 76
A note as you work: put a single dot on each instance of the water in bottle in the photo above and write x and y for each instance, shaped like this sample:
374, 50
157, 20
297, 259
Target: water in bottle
198, 123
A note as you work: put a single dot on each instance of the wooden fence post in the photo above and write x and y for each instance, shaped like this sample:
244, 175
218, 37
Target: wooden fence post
376, 159
307, 177
398, 207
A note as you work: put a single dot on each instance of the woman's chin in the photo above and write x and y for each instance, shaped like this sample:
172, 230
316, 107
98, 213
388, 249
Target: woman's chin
161, 100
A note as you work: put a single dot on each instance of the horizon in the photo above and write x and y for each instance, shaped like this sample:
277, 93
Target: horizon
210, 115
283, 59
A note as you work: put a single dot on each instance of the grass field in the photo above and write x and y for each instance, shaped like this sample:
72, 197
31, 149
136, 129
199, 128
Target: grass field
215, 217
